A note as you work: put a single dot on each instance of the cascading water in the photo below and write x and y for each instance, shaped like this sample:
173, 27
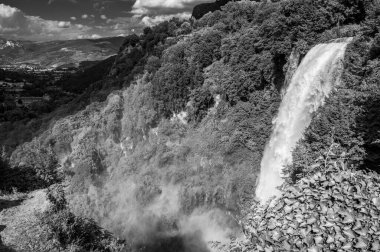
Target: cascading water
312, 82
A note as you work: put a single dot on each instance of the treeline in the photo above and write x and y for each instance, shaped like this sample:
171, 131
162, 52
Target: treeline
243, 49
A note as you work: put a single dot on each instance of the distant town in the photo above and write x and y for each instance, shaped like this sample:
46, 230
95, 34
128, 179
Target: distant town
16, 88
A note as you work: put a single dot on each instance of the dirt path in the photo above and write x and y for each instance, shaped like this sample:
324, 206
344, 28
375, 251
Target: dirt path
19, 227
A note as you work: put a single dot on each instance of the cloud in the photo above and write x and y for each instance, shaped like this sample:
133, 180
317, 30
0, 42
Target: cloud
95, 36
52, 1
161, 7
11, 19
63, 24
15, 24
151, 21
124, 25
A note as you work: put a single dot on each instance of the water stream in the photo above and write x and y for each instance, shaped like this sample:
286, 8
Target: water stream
312, 82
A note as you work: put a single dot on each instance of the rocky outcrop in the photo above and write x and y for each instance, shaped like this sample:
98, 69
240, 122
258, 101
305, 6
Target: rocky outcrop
333, 210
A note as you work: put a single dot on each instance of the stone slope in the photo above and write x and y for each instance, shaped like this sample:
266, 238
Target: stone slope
334, 210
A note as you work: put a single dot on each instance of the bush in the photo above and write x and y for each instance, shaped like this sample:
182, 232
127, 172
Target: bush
76, 232
21, 179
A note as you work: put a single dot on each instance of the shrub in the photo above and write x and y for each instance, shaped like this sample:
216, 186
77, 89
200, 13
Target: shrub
22, 179
76, 232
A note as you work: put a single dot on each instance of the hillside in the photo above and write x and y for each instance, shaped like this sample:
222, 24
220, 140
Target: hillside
165, 154
53, 54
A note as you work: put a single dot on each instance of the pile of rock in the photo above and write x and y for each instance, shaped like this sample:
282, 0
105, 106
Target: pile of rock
235, 245
329, 211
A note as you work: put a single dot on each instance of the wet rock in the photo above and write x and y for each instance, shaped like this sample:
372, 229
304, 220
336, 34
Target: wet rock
317, 215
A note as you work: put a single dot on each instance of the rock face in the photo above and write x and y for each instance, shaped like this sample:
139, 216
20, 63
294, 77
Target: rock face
202, 9
329, 211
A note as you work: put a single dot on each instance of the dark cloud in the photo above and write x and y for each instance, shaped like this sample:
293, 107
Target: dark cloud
52, 1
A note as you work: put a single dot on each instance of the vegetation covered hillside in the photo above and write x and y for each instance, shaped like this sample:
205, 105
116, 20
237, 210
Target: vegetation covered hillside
169, 159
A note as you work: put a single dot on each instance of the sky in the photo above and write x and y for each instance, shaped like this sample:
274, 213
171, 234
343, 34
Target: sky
43, 20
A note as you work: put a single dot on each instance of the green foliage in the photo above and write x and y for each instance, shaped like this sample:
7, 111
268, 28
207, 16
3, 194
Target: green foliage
80, 234
21, 179
182, 70
171, 84
40, 159
139, 112
201, 101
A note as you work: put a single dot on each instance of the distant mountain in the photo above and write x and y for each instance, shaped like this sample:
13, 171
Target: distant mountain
53, 54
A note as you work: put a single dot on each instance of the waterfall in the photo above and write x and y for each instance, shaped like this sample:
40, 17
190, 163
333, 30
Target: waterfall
311, 83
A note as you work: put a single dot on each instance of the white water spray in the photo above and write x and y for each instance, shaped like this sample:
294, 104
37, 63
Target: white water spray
318, 72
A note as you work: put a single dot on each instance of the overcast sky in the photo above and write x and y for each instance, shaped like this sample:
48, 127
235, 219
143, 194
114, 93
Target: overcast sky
70, 19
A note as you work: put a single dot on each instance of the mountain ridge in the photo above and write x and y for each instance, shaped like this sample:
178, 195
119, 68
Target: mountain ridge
52, 54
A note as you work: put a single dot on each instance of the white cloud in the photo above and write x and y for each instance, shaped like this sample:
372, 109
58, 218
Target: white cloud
89, 36
11, 19
151, 21
7, 11
15, 24
142, 7
63, 24
84, 16
95, 36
